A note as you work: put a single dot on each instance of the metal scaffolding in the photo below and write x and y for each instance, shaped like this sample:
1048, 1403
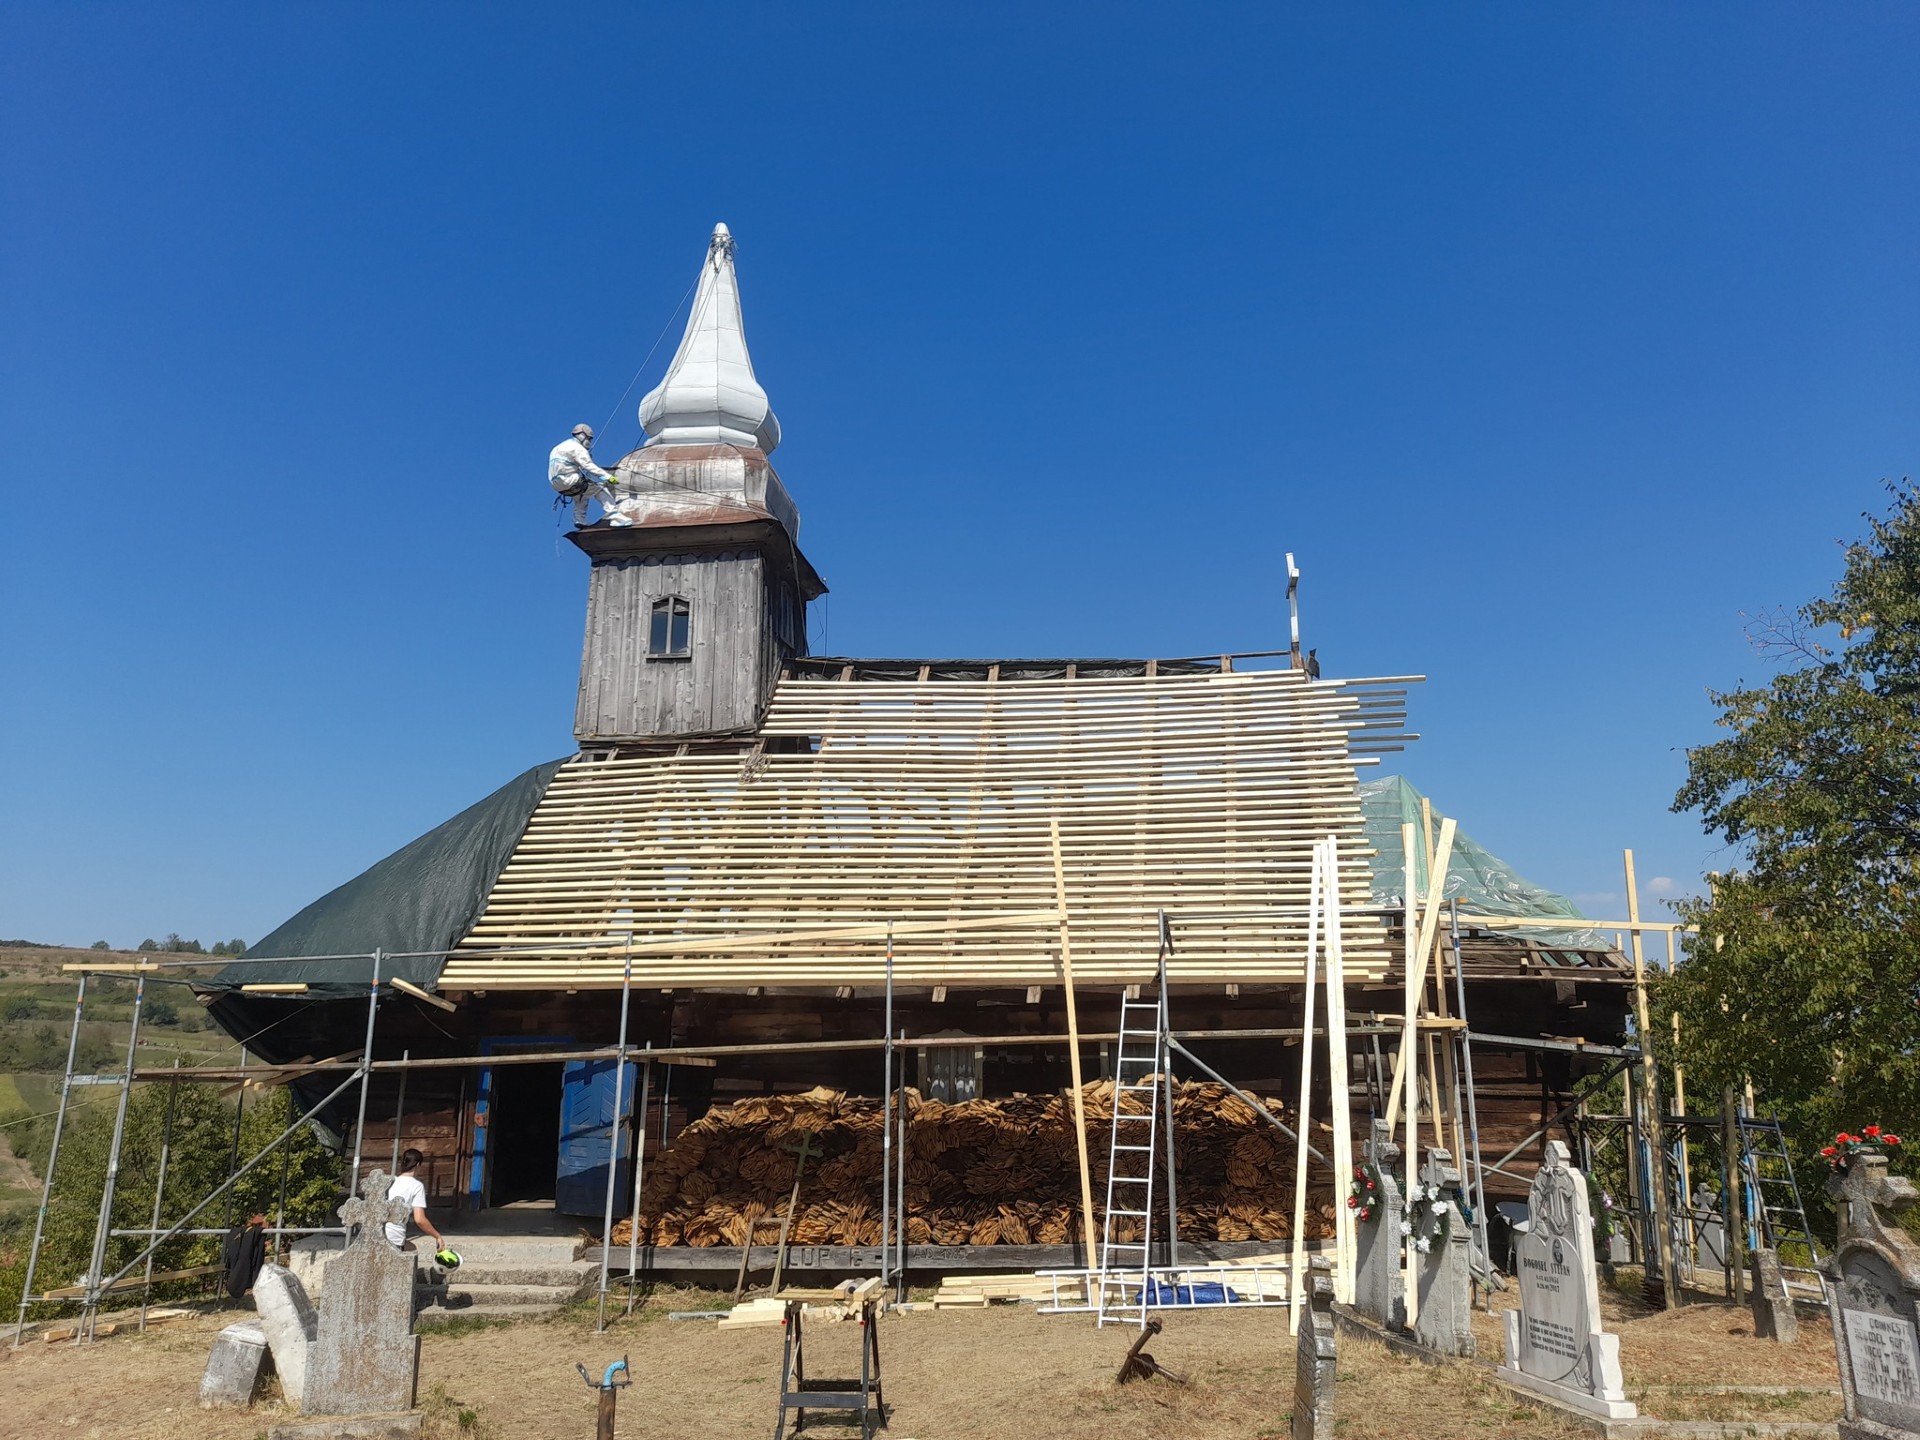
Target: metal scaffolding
96, 1286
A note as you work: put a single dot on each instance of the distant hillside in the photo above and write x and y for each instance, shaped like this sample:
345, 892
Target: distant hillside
30, 960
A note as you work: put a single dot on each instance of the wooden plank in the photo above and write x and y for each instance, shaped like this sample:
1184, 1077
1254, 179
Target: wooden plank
927, 800
1073, 1052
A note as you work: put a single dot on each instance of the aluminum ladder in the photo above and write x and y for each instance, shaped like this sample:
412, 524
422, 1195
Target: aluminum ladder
1776, 1200
1123, 1286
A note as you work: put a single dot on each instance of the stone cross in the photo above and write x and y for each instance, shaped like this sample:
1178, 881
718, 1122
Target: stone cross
1773, 1317
1875, 1274
366, 1358
1445, 1287
1555, 1345
1315, 1357
1379, 1293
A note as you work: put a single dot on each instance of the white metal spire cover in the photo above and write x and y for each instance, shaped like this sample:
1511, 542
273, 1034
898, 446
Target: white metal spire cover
709, 395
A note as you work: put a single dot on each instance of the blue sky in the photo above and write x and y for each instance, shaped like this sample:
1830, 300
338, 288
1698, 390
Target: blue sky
1551, 339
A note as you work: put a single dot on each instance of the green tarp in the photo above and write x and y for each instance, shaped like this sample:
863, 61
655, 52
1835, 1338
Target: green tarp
1477, 878
422, 898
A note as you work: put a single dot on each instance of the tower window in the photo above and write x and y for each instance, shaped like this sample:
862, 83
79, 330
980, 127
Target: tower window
672, 624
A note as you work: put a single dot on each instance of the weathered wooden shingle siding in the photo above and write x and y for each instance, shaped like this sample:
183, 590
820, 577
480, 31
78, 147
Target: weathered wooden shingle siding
722, 685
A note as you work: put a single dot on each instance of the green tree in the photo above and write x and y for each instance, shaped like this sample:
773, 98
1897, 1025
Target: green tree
1805, 976
101, 945
201, 1153
149, 945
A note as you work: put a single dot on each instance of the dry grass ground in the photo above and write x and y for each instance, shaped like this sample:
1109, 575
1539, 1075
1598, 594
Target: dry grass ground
971, 1375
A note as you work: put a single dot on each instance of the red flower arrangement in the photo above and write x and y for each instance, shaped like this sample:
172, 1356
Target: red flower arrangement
1363, 1197
1847, 1147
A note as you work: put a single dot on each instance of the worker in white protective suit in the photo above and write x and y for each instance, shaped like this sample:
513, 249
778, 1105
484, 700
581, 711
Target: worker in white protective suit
571, 472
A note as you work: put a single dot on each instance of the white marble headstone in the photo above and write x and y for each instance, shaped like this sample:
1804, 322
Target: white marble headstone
1555, 1343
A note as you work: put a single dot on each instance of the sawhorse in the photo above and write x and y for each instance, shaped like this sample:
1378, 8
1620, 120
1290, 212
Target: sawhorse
863, 1396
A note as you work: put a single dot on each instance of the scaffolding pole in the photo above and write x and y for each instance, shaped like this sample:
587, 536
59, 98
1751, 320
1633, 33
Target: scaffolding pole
90, 1310
53, 1160
639, 1175
399, 1113
613, 1136
1164, 1042
239, 1114
900, 1180
366, 1073
228, 1184
160, 1189
886, 1119
1477, 1175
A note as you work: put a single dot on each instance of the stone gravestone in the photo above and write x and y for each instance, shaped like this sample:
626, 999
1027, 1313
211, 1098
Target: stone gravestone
365, 1357
1379, 1292
1441, 1273
235, 1368
1773, 1317
288, 1321
1875, 1272
1555, 1346
1315, 1357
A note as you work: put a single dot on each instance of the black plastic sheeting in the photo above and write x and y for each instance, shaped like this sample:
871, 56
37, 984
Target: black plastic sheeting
422, 898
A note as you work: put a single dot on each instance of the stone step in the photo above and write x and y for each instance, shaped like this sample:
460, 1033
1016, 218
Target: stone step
435, 1316
465, 1297
516, 1249
469, 1274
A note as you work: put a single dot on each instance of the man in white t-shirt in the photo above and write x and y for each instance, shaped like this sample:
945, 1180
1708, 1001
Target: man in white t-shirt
406, 1186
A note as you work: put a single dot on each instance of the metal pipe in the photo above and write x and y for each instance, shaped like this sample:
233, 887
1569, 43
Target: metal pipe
280, 1206
1165, 1057
1478, 1174
1560, 1114
196, 1230
1265, 1114
691, 1054
639, 1173
614, 1133
229, 1183
886, 1115
366, 1073
53, 1160
239, 1113
399, 1113
159, 1190
900, 1177
90, 1307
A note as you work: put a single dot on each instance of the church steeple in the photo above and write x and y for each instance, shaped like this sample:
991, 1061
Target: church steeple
698, 591
710, 395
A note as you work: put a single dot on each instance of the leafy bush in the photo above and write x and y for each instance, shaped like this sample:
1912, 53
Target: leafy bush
202, 1148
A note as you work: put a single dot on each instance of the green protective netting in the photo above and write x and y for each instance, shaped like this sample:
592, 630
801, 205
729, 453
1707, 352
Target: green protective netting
1480, 880
422, 898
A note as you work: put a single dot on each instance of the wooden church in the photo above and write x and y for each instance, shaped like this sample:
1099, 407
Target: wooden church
761, 849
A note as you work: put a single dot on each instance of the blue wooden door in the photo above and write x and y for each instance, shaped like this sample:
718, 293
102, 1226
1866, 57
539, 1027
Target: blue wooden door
587, 1126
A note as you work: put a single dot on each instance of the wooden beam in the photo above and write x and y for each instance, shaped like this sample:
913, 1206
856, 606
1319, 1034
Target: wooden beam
1073, 1050
1662, 1206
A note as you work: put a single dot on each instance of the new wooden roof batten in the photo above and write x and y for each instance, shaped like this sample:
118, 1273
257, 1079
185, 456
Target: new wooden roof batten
923, 803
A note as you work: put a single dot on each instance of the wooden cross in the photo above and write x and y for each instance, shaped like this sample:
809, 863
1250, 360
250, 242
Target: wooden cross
803, 1151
